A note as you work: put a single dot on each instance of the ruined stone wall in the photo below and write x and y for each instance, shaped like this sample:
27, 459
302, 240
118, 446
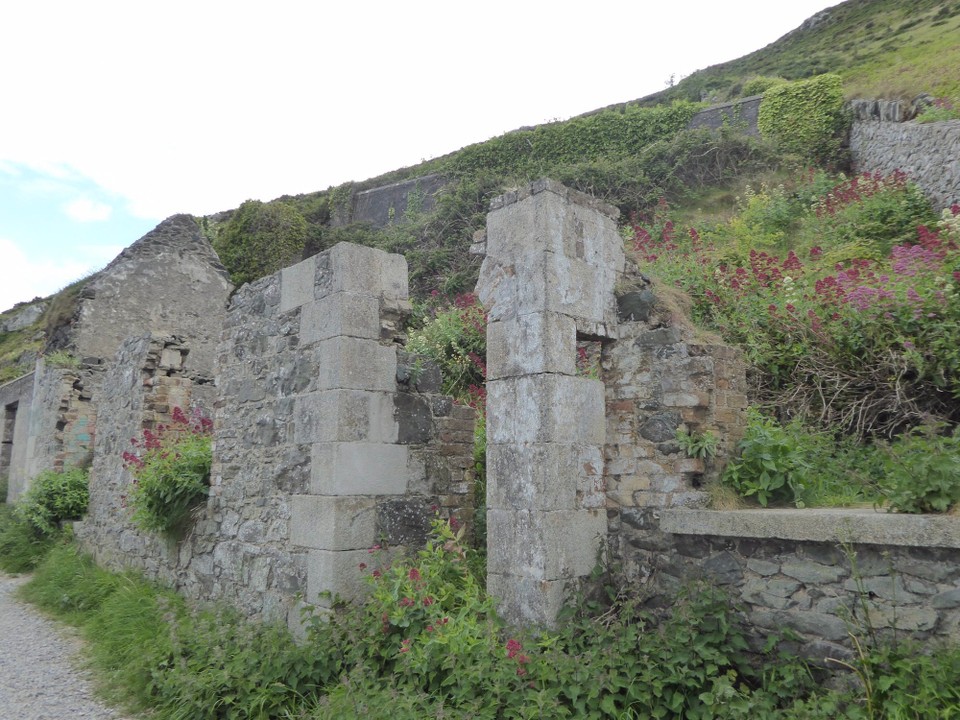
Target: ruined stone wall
62, 418
929, 153
820, 573
328, 439
386, 204
168, 282
148, 378
16, 398
658, 382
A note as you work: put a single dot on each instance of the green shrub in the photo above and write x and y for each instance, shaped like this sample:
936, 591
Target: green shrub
805, 117
260, 239
922, 471
760, 84
53, 497
222, 666
172, 476
454, 336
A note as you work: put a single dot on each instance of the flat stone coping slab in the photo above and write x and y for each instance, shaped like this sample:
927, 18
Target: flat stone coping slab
818, 525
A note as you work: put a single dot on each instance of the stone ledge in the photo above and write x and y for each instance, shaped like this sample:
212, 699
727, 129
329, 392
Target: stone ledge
862, 526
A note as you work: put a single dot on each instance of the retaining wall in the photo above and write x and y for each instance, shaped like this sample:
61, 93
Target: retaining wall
929, 153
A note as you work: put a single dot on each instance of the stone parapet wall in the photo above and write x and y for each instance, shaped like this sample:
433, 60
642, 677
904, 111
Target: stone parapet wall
929, 153
819, 573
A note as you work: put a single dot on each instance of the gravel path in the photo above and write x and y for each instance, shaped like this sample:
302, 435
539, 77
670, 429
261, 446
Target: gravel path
40, 677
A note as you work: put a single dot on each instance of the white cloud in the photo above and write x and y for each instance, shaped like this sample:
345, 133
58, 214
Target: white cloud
87, 210
24, 279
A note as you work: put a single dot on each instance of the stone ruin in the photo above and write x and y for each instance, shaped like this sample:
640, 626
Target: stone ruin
330, 438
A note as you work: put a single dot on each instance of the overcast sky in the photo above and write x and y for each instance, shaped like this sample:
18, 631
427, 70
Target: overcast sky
116, 115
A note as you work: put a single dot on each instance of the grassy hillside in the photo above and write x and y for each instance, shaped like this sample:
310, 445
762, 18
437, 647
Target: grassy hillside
881, 48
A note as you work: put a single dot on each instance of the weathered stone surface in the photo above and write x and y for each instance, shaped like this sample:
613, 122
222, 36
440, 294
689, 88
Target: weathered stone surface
886, 587
546, 408
560, 544
819, 524
538, 476
14, 320
909, 619
723, 568
340, 314
359, 468
414, 418
812, 573
328, 522
333, 574
763, 567
354, 363
404, 521
296, 285
636, 306
531, 343
756, 590
307, 403
946, 600
661, 427
345, 416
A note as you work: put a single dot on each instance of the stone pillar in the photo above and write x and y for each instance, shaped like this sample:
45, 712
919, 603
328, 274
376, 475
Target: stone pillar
347, 416
553, 258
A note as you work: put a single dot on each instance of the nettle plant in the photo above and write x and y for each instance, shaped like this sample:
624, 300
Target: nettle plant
171, 471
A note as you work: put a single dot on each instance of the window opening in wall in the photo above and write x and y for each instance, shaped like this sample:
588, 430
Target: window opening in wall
6, 447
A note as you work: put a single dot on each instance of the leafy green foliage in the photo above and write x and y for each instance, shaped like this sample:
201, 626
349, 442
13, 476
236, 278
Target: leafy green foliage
805, 117
697, 445
52, 497
172, 475
21, 549
455, 337
222, 666
922, 471
69, 584
909, 680
760, 84
793, 464
606, 134
260, 238
940, 110
770, 464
